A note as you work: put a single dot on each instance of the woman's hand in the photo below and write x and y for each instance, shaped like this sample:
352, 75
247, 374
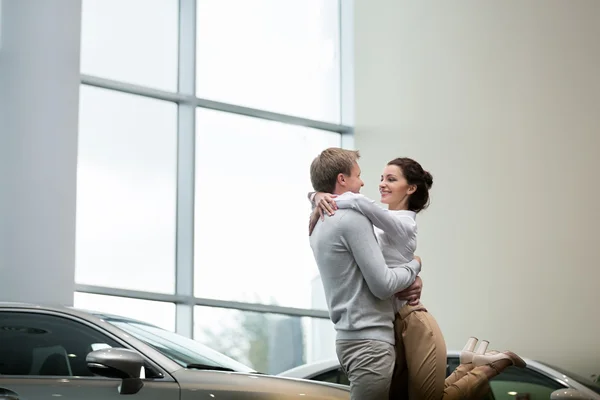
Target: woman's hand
412, 294
325, 203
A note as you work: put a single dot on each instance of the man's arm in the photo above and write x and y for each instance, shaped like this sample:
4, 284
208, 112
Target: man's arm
383, 282
378, 216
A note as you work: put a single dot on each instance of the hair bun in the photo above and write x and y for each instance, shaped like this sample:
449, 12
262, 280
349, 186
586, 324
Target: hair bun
428, 179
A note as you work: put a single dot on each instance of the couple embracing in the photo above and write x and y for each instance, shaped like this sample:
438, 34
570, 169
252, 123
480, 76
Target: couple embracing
387, 343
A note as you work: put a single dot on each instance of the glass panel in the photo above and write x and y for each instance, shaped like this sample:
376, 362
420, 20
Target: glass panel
126, 191
251, 239
133, 41
269, 343
156, 313
281, 56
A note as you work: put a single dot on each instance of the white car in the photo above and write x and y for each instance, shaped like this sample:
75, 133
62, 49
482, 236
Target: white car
537, 381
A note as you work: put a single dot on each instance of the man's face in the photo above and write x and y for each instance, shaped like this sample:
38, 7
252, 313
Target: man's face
354, 182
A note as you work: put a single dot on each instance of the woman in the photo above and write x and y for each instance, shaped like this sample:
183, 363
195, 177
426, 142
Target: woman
420, 346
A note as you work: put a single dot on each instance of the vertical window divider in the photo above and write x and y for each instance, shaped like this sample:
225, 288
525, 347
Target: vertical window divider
186, 123
346, 18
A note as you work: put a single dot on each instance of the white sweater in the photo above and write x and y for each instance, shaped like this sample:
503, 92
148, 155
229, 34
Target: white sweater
396, 230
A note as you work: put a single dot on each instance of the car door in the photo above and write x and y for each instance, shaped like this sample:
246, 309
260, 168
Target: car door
42, 356
518, 383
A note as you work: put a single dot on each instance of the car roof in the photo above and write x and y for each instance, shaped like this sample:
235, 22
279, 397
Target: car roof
93, 317
78, 312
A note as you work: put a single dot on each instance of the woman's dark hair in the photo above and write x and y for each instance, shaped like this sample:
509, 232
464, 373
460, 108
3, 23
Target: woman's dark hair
415, 175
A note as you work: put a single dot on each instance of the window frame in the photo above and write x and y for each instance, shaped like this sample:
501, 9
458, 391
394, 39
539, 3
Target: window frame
187, 102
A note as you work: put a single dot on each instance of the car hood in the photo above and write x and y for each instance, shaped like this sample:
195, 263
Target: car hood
197, 384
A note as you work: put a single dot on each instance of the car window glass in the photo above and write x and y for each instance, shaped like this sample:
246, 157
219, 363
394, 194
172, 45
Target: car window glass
46, 345
343, 378
517, 384
523, 384
179, 349
334, 376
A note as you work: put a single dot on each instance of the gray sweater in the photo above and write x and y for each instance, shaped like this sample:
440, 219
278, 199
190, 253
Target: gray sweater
358, 284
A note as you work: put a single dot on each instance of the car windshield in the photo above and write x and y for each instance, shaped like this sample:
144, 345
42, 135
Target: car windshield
580, 379
186, 352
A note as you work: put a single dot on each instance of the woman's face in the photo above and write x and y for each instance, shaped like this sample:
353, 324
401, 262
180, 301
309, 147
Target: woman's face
394, 188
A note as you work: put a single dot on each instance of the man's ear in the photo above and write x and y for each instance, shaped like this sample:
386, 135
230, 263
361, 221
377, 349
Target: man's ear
341, 179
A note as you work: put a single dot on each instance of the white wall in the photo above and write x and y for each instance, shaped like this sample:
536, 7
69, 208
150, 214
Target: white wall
500, 100
39, 103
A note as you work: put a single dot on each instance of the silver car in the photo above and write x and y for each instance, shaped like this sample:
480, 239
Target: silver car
70, 354
536, 382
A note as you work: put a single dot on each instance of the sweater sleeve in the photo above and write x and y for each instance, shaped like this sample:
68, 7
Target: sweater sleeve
311, 198
378, 216
382, 281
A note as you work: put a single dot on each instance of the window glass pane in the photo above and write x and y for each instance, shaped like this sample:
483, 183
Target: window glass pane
282, 56
126, 191
517, 383
251, 230
336, 376
156, 313
179, 349
269, 343
38, 344
133, 41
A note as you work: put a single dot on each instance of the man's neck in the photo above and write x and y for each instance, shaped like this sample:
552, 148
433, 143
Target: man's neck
339, 190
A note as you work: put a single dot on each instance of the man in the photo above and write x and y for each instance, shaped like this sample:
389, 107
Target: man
358, 284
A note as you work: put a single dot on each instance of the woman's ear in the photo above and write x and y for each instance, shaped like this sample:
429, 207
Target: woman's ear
411, 189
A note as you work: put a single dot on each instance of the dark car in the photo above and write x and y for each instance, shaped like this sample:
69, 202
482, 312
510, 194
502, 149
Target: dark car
70, 354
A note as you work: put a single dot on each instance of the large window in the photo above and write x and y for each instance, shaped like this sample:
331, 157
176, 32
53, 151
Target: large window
198, 122
251, 241
126, 191
269, 343
131, 41
281, 56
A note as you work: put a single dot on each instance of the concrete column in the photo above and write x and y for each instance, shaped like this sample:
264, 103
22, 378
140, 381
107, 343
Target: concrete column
39, 104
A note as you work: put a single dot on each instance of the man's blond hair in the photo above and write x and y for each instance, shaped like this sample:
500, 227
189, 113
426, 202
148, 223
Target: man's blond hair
326, 167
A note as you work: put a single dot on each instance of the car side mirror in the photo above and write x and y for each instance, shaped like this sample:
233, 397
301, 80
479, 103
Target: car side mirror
120, 364
569, 394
